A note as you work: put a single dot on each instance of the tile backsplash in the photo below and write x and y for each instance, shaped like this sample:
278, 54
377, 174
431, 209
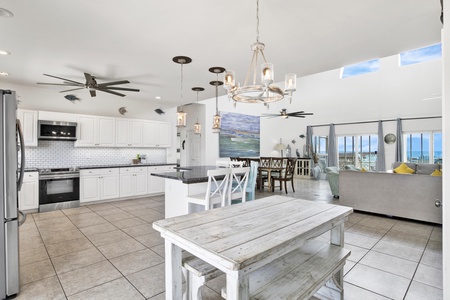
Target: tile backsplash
63, 154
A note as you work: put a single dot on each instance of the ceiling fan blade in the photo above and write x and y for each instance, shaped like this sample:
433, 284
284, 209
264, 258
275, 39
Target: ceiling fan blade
120, 89
111, 92
89, 78
64, 84
68, 80
80, 88
113, 83
92, 92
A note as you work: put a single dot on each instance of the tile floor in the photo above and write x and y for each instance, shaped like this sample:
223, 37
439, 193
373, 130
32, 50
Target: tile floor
110, 251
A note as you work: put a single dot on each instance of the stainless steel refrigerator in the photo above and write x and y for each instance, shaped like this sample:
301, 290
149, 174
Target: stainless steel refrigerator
11, 177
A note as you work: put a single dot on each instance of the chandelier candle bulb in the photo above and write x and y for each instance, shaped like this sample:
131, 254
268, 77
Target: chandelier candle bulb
267, 73
290, 82
229, 79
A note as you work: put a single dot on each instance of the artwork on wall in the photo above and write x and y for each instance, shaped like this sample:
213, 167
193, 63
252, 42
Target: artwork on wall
239, 136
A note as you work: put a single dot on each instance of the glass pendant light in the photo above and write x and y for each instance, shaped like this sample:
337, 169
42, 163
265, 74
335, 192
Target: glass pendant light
216, 118
197, 126
181, 115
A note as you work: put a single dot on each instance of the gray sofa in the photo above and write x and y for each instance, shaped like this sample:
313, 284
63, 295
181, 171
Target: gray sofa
409, 196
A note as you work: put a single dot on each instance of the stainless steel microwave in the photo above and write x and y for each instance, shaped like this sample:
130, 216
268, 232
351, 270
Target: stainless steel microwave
55, 130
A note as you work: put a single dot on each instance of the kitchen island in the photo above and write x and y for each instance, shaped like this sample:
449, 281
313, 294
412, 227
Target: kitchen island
184, 182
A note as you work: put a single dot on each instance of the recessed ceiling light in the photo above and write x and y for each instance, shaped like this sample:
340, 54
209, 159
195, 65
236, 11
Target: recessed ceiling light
5, 13
3, 52
158, 98
3, 74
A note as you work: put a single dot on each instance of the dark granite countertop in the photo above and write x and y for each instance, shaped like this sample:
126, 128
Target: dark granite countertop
188, 175
125, 166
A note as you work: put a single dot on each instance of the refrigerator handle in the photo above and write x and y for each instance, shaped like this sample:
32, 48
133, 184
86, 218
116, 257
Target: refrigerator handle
22, 156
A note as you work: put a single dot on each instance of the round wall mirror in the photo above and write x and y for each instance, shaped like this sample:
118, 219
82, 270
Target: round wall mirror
390, 138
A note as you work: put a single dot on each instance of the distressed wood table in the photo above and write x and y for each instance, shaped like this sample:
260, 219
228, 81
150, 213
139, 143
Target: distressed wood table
241, 238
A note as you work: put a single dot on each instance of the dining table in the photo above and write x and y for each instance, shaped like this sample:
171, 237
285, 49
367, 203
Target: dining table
242, 238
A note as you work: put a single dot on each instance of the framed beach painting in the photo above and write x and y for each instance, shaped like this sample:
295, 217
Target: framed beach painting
239, 136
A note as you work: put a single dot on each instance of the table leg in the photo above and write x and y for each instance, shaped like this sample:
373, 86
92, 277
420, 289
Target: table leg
173, 271
237, 286
337, 238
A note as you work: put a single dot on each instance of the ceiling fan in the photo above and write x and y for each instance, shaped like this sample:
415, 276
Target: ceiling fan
92, 85
283, 113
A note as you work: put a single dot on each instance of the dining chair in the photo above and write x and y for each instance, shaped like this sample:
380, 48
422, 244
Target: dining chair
216, 191
236, 164
251, 185
222, 163
237, 184
286, 175
246, 162
264, 162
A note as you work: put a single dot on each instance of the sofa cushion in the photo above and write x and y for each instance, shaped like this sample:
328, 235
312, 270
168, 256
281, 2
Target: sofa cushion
436, 173
404, 169
426, 169
409, 165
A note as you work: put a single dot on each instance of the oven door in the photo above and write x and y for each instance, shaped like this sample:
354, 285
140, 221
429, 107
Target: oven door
58, 192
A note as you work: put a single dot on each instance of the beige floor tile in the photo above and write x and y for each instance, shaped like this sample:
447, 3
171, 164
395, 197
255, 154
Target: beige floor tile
59, 220
48, 215
151, 240
95, 220
128, 222
77, 210
378, 222
139, 230
377, 281
97, 229
90, 276
356, 217
62, 227
28, 232
118, 216
356, 252
159, 249
436, 234
32, 255
432, 259
48, 288
360, 240
352, 292
399, 250
88, 215
60, 236
412, 227
117, 289
120, 248
30, 242
160, 208
434, 246
348, 266
36, 271
217, 283
111, 210
150, 282
77, 260
416, 241
420, 291
151, 204
145, 211
373, 232
429, 275
161, 296
108, 237
136, 261
152, 217
132, 208
391, 264
100, 206
67, 247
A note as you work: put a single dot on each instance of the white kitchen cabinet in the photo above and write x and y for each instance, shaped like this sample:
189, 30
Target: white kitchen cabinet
155, 184
28, 120
129, 133
29, 194
133, 181
156, 134
95, 131
99, 184
57, 116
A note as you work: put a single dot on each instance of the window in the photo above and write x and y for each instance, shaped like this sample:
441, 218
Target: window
360, 151
320, 144
360, 68
420, 55
423, 147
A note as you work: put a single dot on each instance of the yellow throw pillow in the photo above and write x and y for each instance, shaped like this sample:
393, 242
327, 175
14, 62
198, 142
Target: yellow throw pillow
403, 169
436, 173
363, 170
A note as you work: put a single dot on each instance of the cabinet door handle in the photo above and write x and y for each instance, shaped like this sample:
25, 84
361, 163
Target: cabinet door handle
438, 203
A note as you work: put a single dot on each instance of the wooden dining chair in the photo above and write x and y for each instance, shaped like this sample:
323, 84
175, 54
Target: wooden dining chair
216, 191
237, 184
286, 175
264, 162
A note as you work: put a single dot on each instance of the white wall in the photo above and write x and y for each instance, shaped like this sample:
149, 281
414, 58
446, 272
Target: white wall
393, 92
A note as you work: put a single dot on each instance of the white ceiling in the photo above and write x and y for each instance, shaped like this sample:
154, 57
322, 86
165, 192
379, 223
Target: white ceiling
136, 40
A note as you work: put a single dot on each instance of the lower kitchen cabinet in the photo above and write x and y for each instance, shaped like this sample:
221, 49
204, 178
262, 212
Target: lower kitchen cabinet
156, 184
29, 194
133, 181
99, 184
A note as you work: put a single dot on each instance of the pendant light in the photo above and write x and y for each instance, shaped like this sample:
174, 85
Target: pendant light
216, 119
181, 115
197, 126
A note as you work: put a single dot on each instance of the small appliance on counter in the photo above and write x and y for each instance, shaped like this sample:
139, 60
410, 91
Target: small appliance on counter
59, 188
143, 158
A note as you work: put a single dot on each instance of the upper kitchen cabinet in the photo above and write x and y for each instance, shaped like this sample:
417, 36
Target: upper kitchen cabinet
156, 134
28, 120
95, 131
128, 133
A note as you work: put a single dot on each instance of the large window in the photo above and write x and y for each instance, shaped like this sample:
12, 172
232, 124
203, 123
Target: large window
423, 147
320, 144
360, 151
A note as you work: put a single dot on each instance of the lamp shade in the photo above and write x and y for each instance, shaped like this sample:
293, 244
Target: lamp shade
197, 128
181, 118
280, 147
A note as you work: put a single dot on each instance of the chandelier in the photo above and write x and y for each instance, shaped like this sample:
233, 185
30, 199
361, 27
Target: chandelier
181, 115
265, 92
216, 118
197, 126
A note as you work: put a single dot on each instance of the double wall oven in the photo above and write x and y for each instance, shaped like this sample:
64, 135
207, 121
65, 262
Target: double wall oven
59, 189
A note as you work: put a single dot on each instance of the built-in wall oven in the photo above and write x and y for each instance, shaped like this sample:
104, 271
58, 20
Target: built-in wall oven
59, 189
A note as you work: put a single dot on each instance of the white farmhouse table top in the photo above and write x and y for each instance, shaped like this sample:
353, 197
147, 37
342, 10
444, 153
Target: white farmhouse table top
240, 238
